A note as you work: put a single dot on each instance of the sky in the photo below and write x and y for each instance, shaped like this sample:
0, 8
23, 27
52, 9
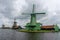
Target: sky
10, 9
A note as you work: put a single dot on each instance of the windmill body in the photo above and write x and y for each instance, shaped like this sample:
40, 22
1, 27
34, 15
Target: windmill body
33, 25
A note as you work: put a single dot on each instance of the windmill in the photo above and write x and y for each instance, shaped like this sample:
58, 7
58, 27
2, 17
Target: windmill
33, 25
15, 26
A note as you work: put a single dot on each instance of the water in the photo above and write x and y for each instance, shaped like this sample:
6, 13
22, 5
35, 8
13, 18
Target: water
8, 34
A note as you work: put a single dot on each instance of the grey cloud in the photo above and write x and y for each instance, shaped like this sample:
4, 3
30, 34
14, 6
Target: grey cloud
7, 9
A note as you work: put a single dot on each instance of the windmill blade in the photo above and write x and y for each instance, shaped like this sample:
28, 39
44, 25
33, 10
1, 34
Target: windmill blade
26, 13
39, 13
22, 17
31, 13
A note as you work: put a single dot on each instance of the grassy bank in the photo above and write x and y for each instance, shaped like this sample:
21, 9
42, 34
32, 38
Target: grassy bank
36, 31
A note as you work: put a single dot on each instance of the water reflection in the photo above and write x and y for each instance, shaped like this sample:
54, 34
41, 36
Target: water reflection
8, 34
32, 36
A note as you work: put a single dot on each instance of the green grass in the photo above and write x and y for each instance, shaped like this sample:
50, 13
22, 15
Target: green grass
36, 31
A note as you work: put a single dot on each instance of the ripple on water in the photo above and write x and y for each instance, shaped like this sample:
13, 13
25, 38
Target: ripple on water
8, 34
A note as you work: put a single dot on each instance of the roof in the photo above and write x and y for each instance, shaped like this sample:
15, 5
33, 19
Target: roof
48, 26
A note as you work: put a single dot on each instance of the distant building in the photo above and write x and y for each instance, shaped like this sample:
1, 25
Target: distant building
15, 26
3, 27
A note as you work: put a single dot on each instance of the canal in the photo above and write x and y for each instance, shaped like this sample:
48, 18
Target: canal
8, 34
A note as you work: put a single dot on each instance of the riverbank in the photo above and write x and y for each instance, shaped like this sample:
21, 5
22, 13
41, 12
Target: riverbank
43, 31
40, 31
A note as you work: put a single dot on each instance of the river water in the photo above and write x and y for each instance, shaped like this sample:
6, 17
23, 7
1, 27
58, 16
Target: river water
8, 34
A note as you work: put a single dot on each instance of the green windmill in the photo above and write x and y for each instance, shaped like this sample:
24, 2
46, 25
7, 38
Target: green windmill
33, 25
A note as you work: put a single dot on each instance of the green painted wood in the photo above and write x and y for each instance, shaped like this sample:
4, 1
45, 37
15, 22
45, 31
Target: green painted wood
56, 27
33, 25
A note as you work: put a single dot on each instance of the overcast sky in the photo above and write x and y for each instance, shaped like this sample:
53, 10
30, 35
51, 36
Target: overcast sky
10, 9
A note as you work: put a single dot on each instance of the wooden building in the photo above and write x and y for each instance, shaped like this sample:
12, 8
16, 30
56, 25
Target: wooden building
48, 27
